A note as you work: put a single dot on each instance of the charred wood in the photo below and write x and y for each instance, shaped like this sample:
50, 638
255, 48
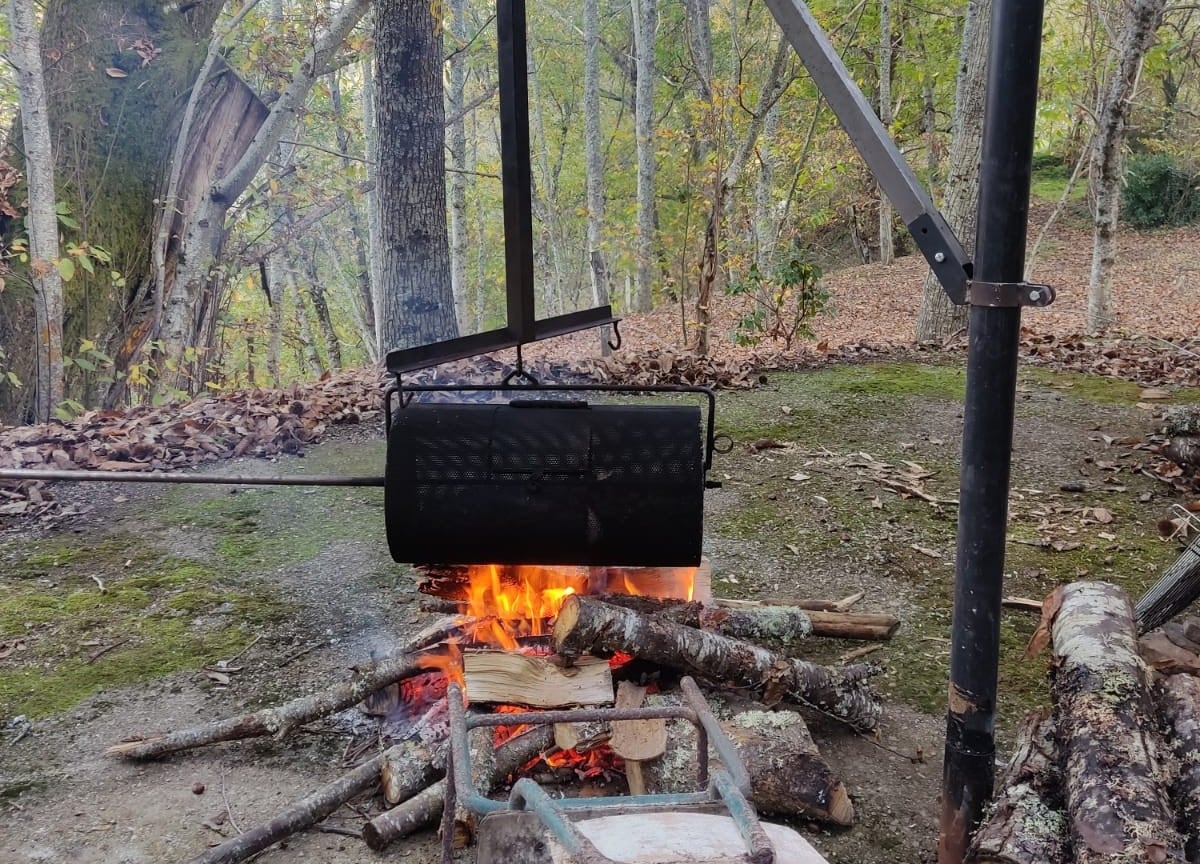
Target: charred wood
1027, 824
586, 625
1114, 780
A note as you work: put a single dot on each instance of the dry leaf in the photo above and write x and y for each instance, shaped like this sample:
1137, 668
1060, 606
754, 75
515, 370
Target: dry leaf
219, 677
800, 477
1155, 393
114, 72
1102, 515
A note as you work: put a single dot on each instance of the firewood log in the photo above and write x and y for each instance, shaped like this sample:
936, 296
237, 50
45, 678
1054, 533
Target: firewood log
307, 812
788, 776
1178, 698
586, 626
424, 809
1115, 784
280, 720
1026, 824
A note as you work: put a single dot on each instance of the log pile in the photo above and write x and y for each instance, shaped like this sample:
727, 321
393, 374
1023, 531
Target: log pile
1113, 774
714, 644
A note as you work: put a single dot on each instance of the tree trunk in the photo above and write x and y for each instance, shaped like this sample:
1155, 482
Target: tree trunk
887, 250
362, 301
585, 625
1026, 824
457, 147
594, 157
645, 29
25, 55
938, 318
1178, 698
1116, 801
415, 298
374, 204
1142, 19
273, 280
316, 293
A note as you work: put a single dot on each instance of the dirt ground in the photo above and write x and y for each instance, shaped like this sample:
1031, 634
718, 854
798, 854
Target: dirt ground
294, 586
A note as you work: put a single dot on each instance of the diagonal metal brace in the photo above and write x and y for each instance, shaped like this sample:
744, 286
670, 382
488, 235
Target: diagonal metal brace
929, 229
996, 294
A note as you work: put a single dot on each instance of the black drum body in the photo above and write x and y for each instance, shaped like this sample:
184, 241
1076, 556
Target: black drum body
545, 482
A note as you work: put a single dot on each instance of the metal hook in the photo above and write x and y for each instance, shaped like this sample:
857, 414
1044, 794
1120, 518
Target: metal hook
616, 329
519, 372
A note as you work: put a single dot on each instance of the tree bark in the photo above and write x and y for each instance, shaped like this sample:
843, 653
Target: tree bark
1178, 698
1114, 780
887, 249
415, 299
374, 205
788, 775
645, 29
594, 160
1142, 19
457, 147
25, 55
938, 318
585, 625
1026, 824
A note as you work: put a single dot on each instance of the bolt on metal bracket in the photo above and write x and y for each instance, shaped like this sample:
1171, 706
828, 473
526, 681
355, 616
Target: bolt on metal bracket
1009, 294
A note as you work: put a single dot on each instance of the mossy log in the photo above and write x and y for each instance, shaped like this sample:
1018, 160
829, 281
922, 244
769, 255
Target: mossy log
1178, 699
1027, 824
1185, 450
788, 776
586, 625
1114, 780
763, 623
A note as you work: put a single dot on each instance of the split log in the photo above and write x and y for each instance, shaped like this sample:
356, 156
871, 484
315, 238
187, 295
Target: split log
788, 776
587, 626
280, 720
1026, 824
1179, 707
635, 741
308, 812
508, 678
1115, 785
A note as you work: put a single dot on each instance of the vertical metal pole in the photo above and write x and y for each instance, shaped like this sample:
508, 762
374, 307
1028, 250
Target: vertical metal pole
1005, 168
515, 169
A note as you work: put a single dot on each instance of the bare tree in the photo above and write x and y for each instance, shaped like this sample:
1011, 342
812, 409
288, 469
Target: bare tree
645, 29
598, 263
938, 318
25, 54
887, 249
1142, 20
457, 145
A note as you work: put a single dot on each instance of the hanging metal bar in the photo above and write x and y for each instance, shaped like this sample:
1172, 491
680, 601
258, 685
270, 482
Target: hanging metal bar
210, 479
993, 336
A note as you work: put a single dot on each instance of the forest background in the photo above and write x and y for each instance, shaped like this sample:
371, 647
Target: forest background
211, 195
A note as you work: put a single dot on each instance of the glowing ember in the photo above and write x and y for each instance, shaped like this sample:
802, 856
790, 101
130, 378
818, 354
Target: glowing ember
507, 733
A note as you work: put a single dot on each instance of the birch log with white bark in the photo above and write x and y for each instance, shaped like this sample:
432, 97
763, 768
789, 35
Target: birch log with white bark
1113, 773
25, 56
1178, 698
593, 146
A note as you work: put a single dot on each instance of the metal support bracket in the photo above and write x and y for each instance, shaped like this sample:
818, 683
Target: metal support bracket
996, 294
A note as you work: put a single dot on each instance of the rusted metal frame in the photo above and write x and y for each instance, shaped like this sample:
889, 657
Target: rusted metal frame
528, 795
758, 844
209, 479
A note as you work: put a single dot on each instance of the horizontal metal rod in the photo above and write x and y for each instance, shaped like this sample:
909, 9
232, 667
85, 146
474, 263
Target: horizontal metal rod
213, 479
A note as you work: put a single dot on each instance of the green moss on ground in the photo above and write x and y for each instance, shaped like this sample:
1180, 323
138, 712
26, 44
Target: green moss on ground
166, 613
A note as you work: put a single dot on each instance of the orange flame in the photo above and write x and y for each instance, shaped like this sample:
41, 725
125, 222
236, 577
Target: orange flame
517, 601
449, 663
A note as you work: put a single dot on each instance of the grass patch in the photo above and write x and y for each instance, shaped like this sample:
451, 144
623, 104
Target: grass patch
171, 613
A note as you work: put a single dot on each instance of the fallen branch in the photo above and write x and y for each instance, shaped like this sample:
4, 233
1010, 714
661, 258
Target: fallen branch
303, 814
585, 626
282, 719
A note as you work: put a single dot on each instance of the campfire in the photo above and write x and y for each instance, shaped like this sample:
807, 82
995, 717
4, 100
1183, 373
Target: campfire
578, 678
